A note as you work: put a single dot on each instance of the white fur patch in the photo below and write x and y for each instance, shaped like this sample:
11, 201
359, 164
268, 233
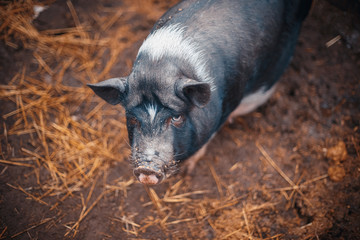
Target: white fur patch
170, 41
252, 101
149, 152
152, 110
38, 9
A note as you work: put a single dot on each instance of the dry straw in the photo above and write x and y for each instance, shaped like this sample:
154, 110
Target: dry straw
73, 149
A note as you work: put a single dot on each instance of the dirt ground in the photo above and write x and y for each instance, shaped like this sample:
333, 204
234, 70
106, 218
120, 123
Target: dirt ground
289, 170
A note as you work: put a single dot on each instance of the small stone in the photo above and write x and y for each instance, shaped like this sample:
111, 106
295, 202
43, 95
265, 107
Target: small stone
337, 153
336, 173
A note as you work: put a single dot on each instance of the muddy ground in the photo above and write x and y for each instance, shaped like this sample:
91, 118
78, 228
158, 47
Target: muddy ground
289, 170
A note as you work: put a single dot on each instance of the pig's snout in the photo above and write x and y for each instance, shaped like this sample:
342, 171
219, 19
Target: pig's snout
148, 176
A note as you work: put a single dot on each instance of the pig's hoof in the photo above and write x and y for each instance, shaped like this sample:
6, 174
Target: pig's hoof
190, 165
148, 176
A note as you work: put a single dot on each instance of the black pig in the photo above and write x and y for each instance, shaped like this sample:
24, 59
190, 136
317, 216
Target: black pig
204, 61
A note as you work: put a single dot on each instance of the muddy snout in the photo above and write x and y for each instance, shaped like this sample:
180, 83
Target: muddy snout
149, 176
152, 159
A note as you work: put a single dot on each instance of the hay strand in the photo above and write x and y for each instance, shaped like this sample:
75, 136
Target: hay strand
32, 227
282, 174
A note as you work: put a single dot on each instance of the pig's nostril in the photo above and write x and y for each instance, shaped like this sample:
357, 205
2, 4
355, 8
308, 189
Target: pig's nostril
148, 176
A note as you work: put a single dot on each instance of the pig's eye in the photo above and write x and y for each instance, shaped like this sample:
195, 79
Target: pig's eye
177, 121
133, 122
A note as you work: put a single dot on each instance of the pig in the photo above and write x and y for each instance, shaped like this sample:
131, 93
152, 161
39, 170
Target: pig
204, 61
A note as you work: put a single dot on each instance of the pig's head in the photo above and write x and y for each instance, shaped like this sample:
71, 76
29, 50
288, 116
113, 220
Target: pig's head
159, 120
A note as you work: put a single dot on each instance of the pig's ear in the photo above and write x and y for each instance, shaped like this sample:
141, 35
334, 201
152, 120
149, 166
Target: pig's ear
198, 93
112, 90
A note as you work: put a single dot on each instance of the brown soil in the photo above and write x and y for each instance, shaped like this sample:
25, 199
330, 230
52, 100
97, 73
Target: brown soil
289, 170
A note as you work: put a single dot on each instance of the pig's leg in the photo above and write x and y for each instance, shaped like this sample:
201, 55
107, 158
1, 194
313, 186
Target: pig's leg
251, 102
191, 162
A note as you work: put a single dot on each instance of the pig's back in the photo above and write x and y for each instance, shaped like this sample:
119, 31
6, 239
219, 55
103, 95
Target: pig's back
247, 44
